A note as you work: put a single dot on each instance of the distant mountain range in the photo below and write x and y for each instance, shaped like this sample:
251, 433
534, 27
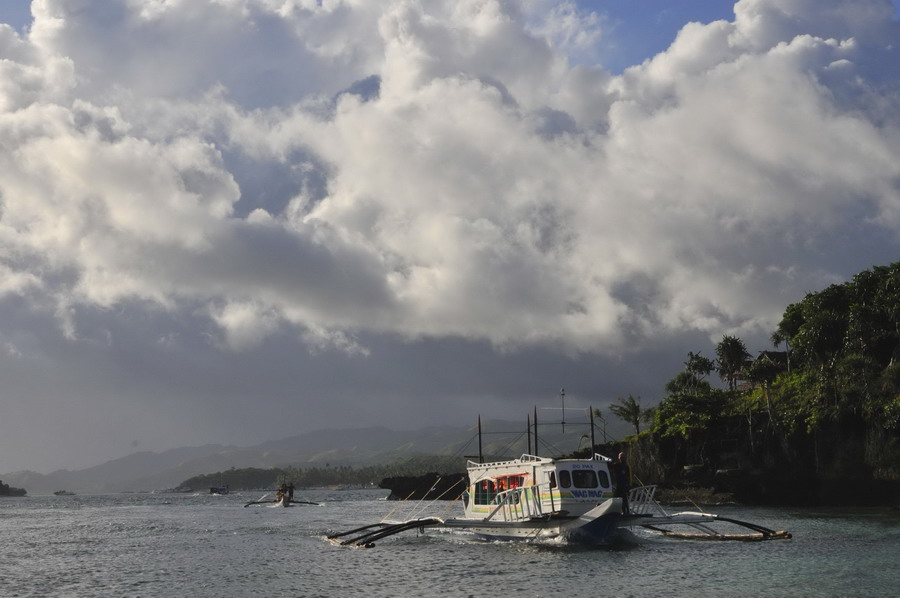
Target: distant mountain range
147, 471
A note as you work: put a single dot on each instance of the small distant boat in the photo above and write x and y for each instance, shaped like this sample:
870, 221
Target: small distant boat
219, 490
64, 493
284, 497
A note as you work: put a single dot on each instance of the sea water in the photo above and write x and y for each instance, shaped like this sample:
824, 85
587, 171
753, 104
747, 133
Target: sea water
148, 545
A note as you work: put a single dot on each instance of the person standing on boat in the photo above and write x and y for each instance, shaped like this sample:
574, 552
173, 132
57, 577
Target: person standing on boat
622, 477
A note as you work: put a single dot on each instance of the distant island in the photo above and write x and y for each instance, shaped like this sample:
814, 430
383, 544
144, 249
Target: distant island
252, 478
6, 490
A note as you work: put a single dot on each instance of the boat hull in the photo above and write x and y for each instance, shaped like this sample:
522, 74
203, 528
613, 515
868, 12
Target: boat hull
597, 527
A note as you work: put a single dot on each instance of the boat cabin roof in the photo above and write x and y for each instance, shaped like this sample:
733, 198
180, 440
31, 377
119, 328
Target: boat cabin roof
525, 458
530, 460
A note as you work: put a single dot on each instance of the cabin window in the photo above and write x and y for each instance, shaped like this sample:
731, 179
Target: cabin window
485, 491
584, 478
565, 478
604, 479
509, 482
552, 479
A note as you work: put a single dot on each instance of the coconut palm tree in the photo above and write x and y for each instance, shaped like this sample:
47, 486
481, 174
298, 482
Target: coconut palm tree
629, 409
731, 358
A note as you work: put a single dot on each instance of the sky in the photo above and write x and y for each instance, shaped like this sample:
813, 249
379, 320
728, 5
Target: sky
231, 221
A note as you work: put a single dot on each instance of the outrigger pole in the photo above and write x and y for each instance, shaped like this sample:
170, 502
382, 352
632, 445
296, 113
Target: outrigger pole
367, 540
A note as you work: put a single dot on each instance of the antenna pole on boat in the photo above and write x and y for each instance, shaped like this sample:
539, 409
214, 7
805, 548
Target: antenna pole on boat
562, 398
528, 427
591, 411
535, 432
480, 455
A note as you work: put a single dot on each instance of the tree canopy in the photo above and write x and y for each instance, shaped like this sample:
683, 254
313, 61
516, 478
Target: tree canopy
629, 409
838, 379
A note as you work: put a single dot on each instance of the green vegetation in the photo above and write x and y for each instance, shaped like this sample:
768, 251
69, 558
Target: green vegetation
313, 477
629, 409
7, 490
823, 413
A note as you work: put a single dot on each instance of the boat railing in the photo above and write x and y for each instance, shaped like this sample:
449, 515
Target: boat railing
641, 501
525, 458
526, 502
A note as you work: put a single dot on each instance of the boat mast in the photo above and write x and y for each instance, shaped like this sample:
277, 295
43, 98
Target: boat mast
562, 398
480, 455
535, 432
591, 411
528, 428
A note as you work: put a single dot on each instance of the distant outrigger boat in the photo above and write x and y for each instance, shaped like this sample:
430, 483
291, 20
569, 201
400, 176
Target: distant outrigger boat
566, 501
284, 497
64, 493
279, 502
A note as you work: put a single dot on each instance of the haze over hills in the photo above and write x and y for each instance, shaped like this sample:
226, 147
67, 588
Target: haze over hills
147, 471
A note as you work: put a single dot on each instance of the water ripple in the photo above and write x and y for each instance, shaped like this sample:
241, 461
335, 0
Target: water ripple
200, 546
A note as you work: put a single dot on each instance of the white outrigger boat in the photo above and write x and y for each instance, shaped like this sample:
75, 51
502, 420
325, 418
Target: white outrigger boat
539, 498
566, 501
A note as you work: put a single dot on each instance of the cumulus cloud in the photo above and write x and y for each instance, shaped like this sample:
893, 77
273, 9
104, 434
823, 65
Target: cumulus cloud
422, 168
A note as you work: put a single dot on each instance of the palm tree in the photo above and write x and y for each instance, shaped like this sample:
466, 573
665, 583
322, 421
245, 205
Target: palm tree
731, 357
629, 409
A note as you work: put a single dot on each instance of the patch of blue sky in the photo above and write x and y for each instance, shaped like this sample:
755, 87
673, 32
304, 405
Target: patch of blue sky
635, 30
16, 13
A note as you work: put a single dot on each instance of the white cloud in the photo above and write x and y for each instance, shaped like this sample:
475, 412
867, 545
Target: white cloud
245, 324
482, 183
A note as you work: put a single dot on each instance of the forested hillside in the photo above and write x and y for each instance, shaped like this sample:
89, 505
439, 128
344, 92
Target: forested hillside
817, 419
309, 477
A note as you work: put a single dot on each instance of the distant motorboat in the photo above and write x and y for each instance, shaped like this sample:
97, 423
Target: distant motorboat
219, 490
64, 493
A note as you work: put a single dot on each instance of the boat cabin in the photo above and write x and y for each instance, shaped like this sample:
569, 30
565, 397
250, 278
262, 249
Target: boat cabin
538, 486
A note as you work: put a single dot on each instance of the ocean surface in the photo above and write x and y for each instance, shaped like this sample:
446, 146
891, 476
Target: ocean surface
200, 545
